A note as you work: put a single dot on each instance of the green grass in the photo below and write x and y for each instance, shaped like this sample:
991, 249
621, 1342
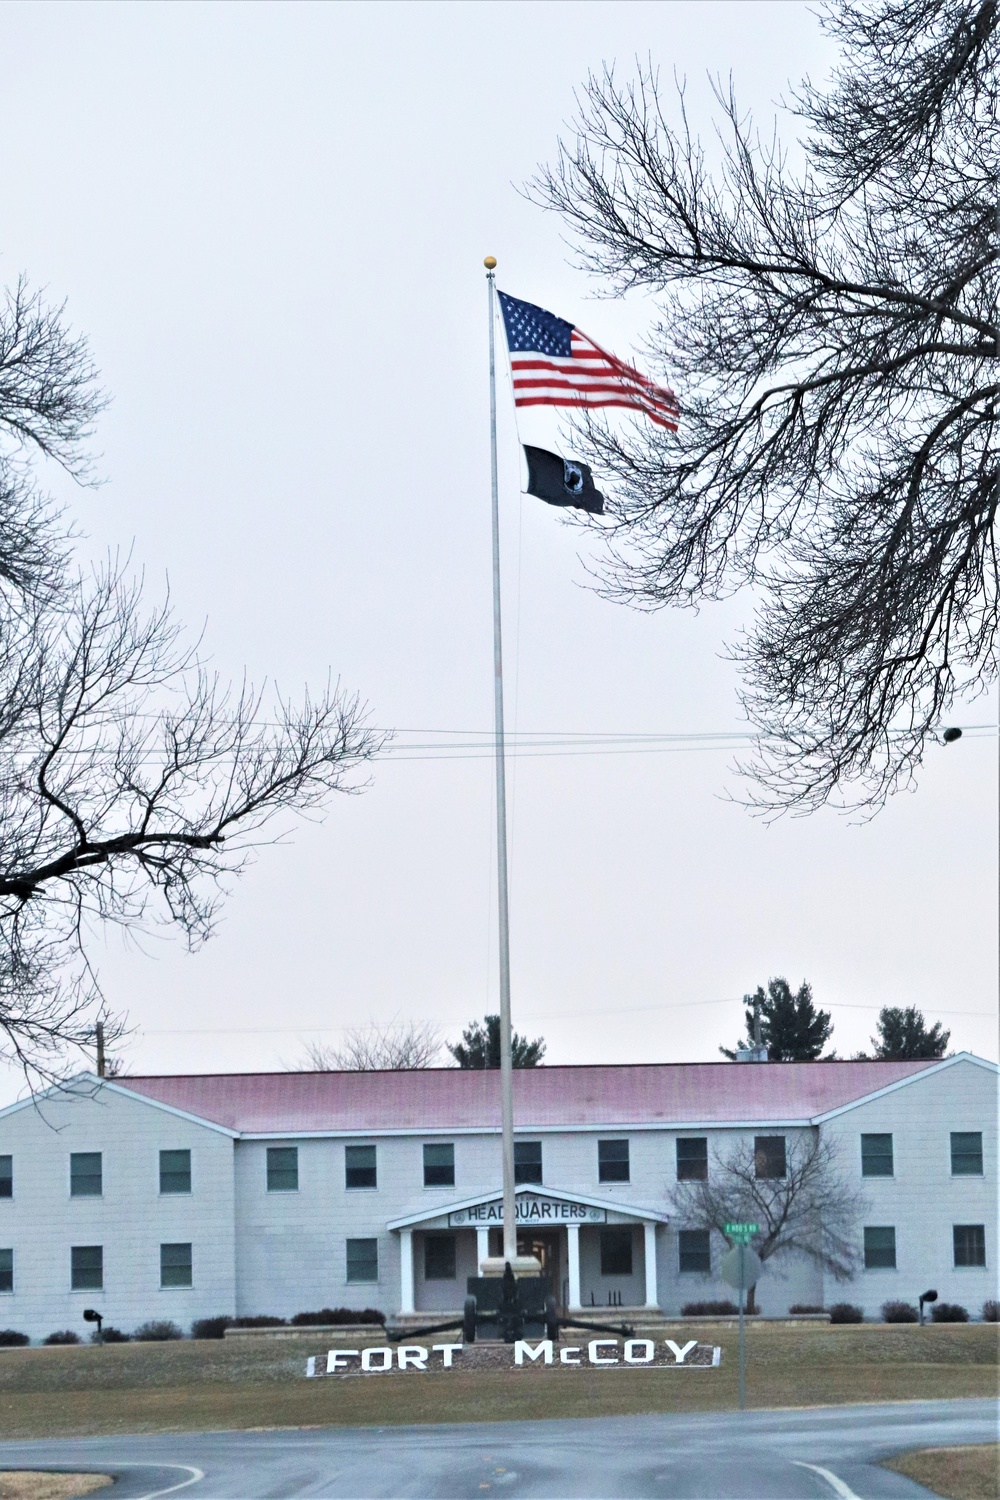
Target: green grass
240, 1384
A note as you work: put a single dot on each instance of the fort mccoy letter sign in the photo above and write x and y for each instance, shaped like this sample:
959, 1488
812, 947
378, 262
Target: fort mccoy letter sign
663, 1354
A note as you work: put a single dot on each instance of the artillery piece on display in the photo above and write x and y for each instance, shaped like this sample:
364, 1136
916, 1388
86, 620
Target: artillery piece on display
509, 1307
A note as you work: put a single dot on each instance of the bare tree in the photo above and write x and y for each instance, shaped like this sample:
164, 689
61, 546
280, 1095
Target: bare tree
808, 1208
133, 785
833, 333
377, 1046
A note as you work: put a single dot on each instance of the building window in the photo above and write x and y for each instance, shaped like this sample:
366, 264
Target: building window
439, 1257
612, 1161
970, 1244
175, 1265
439, 1165
966, 1153
175, 1171
85, 1175
880, 1247
694, 1251
282, 1169
692, 1158
876, 1156
362, 1260
616, 1252
359, 1167
527, 1161
87, 1268
6, 1270
6, 1177
769, 1155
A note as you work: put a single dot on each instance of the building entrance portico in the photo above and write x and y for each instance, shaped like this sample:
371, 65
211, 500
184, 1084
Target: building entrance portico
598, 1253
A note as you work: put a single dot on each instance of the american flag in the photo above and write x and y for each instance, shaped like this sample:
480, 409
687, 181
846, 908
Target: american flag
554, 364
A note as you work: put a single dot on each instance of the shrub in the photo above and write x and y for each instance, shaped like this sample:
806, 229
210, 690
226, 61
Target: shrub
210, 1328
708, 1309
157, 1331
11, 1339
991, 1314
898, 1312
64, 1336
336, 1315
805, 1307
109, 1336
949, 1312
846, 1312
259, 1322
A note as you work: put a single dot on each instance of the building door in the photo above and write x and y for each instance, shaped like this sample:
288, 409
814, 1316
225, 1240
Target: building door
544, 1245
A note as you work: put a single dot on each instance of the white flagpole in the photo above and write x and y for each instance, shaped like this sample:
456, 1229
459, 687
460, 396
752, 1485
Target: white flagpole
506, 1065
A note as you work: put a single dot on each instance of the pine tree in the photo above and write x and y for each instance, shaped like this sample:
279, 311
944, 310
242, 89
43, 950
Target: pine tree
480, 1047
791, 1028
904, 1033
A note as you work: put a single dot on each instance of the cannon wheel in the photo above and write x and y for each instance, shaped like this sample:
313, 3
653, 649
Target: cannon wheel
551, 1319
469, 1320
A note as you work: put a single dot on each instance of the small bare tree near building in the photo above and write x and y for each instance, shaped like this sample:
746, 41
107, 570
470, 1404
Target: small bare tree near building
379, 1046
810, 1209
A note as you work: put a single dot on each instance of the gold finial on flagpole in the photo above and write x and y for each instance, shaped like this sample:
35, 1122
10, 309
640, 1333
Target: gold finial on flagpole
490, 262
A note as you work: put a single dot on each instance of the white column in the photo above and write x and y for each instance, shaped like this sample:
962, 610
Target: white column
406, 1271
482, 1246
649, 1230
573, 1263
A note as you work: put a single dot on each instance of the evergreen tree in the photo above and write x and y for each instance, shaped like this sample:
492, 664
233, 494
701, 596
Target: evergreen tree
791, 1028
904, 1033
480, 1047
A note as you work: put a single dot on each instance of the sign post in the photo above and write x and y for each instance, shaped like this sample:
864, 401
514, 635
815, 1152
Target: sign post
741, 1268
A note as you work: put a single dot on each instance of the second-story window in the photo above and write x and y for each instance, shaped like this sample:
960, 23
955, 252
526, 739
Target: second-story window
967, 1153
612, 1161
439, 1164
876, 1156
769, 1155
282, 1169
86, 1178
527, 1161
175, 1171
692, 1158
360, 1170
6, 1177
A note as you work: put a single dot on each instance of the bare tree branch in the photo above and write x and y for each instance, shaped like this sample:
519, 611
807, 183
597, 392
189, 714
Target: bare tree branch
376, 1047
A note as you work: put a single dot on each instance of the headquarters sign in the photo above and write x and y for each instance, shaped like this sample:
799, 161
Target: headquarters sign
531, 1211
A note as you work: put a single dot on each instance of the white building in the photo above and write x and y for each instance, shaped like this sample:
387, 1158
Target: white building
183, 1197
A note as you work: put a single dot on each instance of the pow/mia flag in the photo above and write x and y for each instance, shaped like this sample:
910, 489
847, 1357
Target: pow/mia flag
562, 481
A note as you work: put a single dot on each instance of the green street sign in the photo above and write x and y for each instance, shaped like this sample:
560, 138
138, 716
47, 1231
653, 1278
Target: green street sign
743, 1232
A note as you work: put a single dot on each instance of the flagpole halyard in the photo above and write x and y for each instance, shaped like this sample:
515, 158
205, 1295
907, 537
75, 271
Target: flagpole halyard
506, 1060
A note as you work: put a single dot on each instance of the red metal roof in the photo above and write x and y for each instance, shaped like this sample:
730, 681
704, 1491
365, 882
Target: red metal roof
455, 1098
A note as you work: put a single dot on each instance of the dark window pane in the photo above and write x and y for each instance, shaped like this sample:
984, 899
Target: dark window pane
439, 1257
616, 1252
880, 1247
692, 1158
694, 1250
769, 1155
6, 1177
362, 1260
282, 1169
439, 1165
967, 1153
175, 1171
6, 1270
876, 1156
970, 1244
175, 1265
612, 1161
85, 1178
527, 1161
359, 1167
87, 1267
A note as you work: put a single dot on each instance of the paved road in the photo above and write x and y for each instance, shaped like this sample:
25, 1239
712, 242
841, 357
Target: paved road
793, 1455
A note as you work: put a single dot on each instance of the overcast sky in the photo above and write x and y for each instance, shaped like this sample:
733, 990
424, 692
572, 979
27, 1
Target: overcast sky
269, 220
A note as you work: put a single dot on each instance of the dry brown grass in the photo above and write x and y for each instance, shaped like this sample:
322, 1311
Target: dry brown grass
29, 1484
971, 1473
186, 1386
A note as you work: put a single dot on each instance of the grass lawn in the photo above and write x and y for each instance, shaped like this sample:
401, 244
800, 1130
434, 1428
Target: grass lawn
29, 1484
971, 1473
256, 1383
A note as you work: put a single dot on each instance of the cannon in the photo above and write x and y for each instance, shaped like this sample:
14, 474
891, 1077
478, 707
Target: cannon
510, 1308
